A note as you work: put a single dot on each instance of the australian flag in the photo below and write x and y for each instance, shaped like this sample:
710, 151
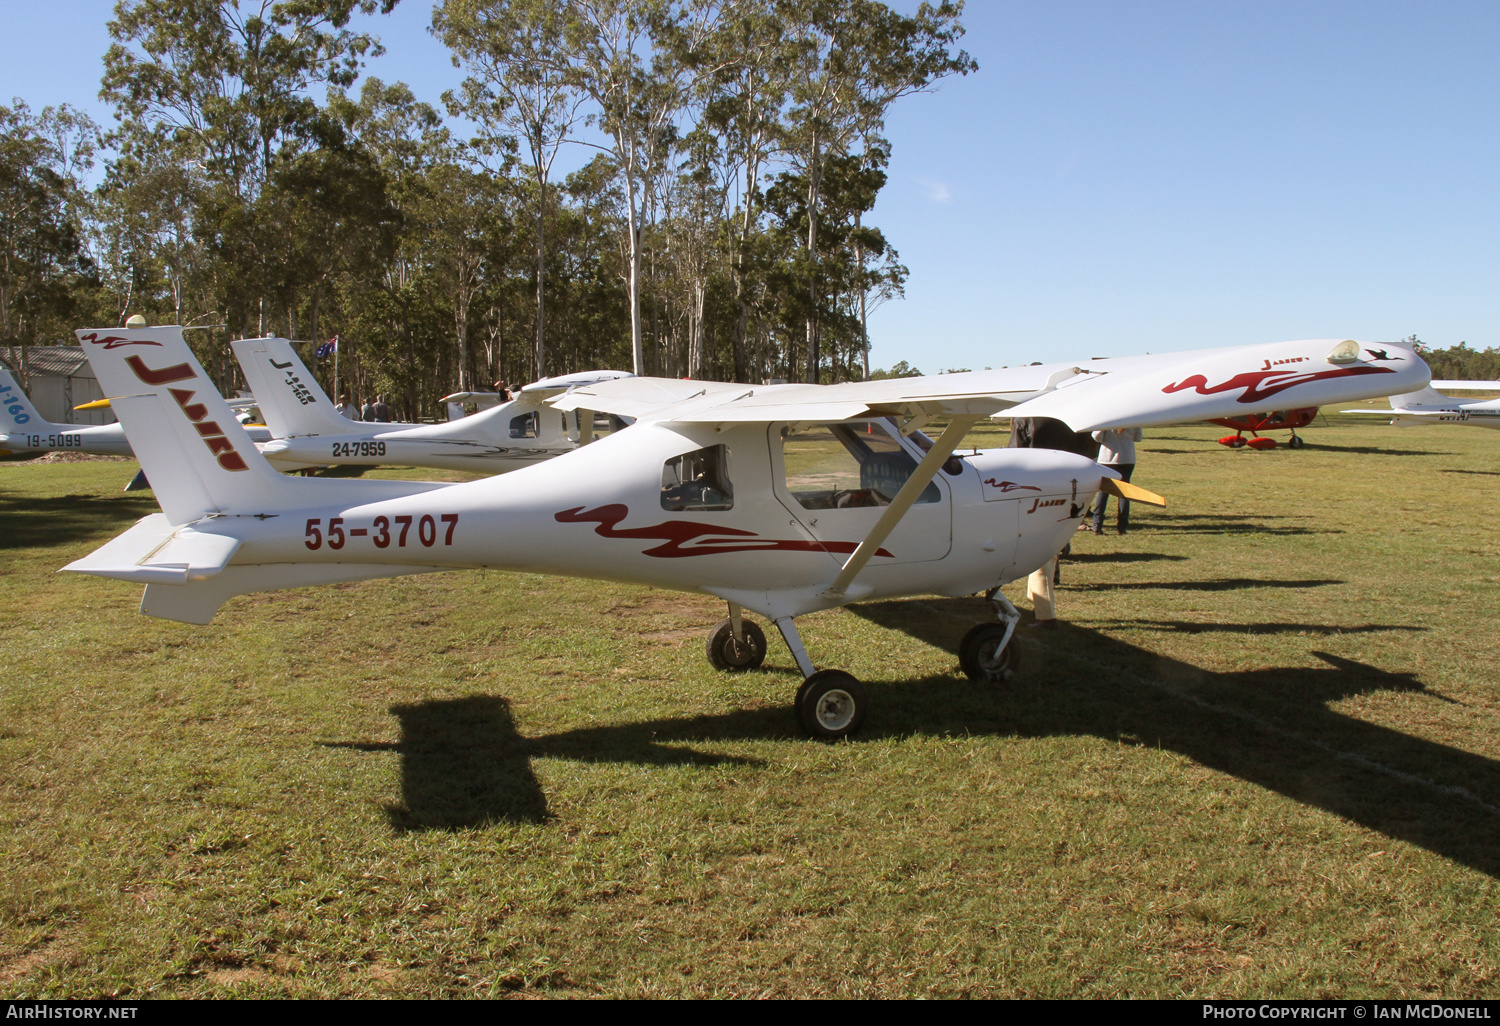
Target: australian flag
328, 348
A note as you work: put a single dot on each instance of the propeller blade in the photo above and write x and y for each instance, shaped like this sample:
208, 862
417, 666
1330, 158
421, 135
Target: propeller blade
1135, 493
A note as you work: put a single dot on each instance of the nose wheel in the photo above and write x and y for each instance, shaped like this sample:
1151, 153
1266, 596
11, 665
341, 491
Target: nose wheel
987, 655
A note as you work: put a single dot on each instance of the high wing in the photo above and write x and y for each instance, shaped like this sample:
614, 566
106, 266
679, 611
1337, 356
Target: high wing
1139, 391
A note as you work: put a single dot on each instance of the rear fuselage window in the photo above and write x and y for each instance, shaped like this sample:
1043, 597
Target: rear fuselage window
844, 466
523, 426
697, 480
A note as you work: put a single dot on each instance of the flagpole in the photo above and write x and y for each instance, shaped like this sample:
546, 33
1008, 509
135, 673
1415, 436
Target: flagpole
335, 368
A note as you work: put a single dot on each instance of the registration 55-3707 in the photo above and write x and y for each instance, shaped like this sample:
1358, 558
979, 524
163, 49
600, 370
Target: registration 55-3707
384, 532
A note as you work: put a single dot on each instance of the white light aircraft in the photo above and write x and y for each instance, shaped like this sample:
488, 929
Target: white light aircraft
307, 432
1430, 406
22, 428
781, 500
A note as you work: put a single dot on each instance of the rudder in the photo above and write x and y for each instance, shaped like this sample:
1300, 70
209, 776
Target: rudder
287, 393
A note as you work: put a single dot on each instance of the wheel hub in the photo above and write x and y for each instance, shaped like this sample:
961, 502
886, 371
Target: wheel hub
835, 709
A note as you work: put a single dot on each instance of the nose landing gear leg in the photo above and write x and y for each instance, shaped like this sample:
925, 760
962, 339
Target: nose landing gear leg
987, 653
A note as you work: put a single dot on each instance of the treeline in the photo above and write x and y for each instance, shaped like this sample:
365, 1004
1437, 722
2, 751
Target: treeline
1460, 363
720, 230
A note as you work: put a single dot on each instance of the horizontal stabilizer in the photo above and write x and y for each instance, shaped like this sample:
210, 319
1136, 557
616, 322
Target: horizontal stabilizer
1469, 386
201, 599
1135, 493
154, 552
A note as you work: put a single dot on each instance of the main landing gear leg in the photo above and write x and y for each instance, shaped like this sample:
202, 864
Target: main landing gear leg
830, 704
987, 653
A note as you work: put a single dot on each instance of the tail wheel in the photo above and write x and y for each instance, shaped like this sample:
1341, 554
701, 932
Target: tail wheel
1294, 443
982, 658
831, 705
725, 653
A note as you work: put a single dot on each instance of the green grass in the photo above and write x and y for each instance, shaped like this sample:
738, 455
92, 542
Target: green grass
1260, 758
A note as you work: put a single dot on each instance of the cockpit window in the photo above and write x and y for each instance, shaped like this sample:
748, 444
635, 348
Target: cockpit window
952, 466
524, 426
842, 466
697, 481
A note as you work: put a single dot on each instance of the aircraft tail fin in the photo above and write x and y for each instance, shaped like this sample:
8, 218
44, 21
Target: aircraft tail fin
16, 412
195, 453
287, 393
200, 461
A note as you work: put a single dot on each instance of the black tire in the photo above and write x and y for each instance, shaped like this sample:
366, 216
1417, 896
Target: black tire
831, 705
727, 654
982, 658
1294, 443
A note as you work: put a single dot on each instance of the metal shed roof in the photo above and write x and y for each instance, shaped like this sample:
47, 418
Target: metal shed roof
58, 361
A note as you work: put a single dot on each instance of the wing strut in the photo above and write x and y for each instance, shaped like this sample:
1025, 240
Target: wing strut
919, 480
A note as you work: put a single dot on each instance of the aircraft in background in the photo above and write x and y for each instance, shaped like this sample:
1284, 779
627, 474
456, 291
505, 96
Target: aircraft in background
1276, 420
1430, 406
23, 429
307, 432
781, 500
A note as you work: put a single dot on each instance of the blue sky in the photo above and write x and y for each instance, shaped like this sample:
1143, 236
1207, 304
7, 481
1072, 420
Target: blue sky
1125, 177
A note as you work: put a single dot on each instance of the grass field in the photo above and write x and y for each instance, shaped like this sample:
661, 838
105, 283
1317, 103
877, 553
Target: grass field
1260, 758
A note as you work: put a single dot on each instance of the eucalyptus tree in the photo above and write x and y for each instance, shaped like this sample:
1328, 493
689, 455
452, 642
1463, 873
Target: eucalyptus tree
636, 60
42, 256
151, 259
743, 102
515, 85
226, 86
853, 59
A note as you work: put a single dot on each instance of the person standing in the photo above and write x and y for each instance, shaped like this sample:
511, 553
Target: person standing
346, 409
1116, 451
367, 412
1048, 433
382, 412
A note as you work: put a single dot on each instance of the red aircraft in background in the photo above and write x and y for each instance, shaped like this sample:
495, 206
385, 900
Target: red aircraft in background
1276, 420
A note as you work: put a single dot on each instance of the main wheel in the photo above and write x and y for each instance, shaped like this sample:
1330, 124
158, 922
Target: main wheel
1238, 443
728, 654
1294, 443
831, 704
982, 658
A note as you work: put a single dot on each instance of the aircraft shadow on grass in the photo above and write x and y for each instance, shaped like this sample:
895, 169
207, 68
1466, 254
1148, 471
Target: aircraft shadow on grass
1217, 584
32, 521
1209, 523
1122, 557
1487, 473
1375, 450
465, 763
